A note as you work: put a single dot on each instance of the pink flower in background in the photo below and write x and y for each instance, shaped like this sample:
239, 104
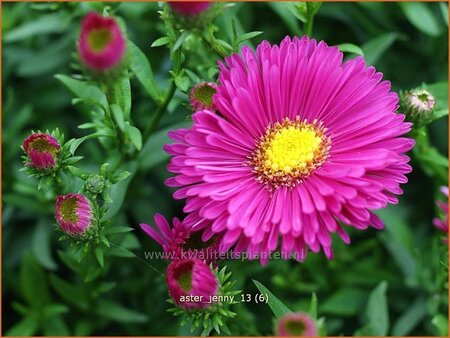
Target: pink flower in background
189, 8
42, 150
101, 43
442, 223
201, 96
182, 241
73, 213
296, 325
191, 277
301, 143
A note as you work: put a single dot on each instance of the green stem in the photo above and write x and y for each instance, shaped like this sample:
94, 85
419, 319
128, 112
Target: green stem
214, 47
308, 27
159, 113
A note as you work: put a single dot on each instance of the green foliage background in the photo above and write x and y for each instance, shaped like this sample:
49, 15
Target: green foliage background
386, 282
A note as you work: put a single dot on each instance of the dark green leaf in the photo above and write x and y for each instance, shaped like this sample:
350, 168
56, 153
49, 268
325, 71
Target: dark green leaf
85, 91
276, 305
142, 69
26, 327
33, 283
350, 48
421, 17
375, 48
119, 313
135, 136
161, 42
410, 318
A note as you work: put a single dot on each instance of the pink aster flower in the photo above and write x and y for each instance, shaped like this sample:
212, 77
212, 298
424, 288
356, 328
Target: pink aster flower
101, 44
201, 96
442, 223
42, 150
73, 213
189, 8
302, 143
191, 283
296, 325
184, 240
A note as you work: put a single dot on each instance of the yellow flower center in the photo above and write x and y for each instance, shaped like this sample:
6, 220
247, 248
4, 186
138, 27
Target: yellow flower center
289, 152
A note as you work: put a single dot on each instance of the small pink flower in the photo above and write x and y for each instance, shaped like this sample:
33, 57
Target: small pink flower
181, 241
191, 277
42, 150
189, 8
73, 213
442, 223
201, 96
296, 324
101, 44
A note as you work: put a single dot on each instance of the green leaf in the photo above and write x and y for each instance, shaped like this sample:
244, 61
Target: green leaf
41, 244
276, 305
118, 313
375, 48
122, 95
141, 67
52, 310
313, 306
444, 10
344, 302
100, 257
377, 313
286, 15
152, 153
85, 91
247, 36
420, 16
45, 24
118, 116
121, 252
119, 176
350, 48
440, 322
135, 136
56, 327
114, 230
180, 40
182, 83
33, 283
26, 327
439, 114
161, 42
410, 318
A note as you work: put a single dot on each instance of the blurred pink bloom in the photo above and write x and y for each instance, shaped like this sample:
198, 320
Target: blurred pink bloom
189, 8
182, 241
73, 213
194, 278
201, 96
442, 223
101, 43
42, 150
301, 143
296, 325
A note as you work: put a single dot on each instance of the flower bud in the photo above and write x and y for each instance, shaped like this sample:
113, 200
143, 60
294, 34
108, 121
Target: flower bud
42, 150
95, 184
418, 105
101, 44
74, 214
201, 96
188, 8
191, 283
296, 324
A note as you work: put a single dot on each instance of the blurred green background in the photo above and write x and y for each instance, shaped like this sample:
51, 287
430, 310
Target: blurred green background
392, 279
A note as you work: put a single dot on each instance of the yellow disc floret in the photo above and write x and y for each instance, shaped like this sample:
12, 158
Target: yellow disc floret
289, 152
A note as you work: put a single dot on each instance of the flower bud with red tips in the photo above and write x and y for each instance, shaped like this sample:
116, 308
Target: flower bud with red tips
191, 283
296, 325
42, 151
74, 214
101, 44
